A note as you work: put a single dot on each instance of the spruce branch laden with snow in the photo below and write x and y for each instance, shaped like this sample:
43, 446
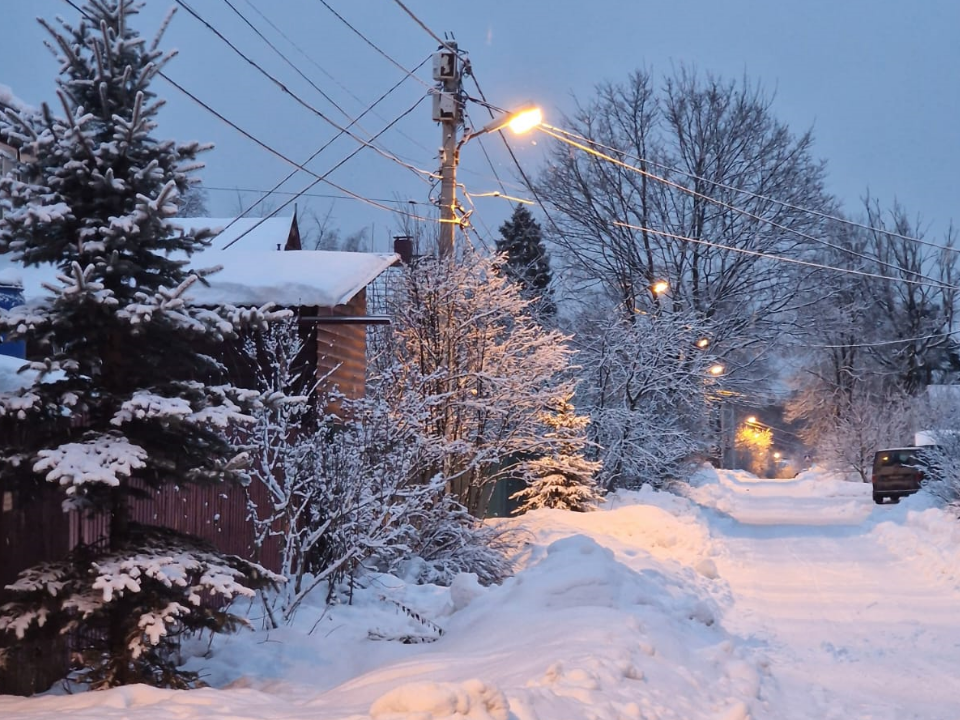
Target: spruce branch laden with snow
131, 397
561, 477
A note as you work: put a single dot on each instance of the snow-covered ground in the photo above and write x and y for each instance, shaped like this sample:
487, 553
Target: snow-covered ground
744, 599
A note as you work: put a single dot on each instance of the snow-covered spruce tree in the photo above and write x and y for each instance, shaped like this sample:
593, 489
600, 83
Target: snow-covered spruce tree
521, 240
562, 478
466, 348
129, 399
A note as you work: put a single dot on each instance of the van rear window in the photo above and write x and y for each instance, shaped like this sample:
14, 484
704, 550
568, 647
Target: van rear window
891, 458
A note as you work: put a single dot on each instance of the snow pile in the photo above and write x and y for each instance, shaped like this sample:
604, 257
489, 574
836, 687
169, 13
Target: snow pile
927, 536
615, 614
470, 700
652, 608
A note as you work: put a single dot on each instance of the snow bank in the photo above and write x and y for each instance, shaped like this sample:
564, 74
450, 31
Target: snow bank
470, 700
928, 536
614, 614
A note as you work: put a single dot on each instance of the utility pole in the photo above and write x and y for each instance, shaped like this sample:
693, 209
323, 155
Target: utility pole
448, 111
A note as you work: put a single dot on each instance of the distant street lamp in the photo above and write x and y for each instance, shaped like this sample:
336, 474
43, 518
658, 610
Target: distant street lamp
716, 370
660, 287
703, 343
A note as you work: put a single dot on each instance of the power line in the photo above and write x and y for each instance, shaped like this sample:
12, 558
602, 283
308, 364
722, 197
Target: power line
299, 99
322, 196
372, 44
277, 153
320, 178
329, 142
882, 343
768, 256
310, 59
746, 213
748, 193
526, 180
290, 62
423, 25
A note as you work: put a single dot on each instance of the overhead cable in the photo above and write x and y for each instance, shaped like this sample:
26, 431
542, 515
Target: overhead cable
374, 45
746, 213
312, 61
748, 193
777, 258
530, 186
277, 153
299, 99
329, 142
423, 25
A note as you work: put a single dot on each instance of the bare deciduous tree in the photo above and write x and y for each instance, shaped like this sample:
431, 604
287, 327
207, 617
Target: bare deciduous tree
691, 145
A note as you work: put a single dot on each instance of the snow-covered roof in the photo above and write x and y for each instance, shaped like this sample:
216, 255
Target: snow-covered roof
254, 271
289, 278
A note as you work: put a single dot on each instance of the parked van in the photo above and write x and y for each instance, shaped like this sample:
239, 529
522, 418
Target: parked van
897, 472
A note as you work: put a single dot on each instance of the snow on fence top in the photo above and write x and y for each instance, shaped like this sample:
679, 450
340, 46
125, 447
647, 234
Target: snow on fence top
254, 271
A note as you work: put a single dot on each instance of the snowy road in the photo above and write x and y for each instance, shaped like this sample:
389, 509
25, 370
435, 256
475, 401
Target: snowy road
852, 627
743, 599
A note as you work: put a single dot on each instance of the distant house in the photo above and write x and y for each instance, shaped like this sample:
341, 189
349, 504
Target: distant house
261, 263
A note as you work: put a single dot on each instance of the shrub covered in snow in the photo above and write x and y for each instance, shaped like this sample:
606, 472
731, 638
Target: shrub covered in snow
647, 388
477, 367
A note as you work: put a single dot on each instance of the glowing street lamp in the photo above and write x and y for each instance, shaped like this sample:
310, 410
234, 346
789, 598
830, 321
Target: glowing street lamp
703, 343
660, 287
520, 121
524, 120
716, 370
752, 420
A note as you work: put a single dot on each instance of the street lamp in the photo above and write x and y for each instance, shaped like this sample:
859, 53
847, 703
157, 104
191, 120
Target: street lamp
520, 121
660, 287
716, 370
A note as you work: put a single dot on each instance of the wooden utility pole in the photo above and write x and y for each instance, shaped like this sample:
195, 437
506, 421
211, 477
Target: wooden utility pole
448, 111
